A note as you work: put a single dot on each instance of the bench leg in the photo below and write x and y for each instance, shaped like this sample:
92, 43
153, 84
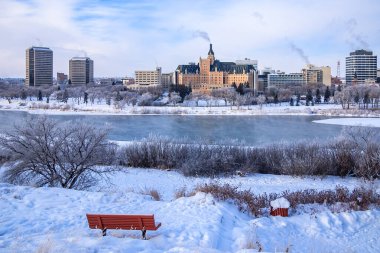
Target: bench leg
104, 232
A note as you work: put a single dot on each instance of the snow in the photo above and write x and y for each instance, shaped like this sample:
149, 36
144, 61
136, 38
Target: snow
53, 219
58, 108
280, 203
367, 122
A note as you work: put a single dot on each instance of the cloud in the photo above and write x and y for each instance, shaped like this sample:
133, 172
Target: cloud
123, 36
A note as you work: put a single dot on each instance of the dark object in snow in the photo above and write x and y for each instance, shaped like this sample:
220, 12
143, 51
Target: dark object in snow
122, 221
279, 207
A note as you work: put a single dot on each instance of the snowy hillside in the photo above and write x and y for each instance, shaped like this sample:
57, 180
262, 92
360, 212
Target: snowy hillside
53, 219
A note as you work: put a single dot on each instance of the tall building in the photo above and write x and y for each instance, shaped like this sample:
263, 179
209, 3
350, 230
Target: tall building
81, 70
39, 66
167, 79
211, 74
361, 64
313, 74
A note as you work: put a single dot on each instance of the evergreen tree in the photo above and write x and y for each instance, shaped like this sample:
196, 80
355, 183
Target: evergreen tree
39, 95
318, 97
85, 98
298, 100
356, 98
309, 97
65, 96
275, 100
240, 89
118, 96
327, 94
23, 94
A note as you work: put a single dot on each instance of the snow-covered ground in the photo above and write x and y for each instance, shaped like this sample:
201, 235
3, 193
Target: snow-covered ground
53, 219
72, 107
367, 122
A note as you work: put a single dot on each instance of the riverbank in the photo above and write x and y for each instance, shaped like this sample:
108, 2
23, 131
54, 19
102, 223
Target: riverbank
75, 108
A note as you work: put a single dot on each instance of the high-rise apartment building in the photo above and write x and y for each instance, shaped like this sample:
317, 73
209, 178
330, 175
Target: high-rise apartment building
81, 70
39, 66
360, 66
313, 74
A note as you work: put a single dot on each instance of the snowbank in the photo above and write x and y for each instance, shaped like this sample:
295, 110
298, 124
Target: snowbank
368, 122
280, 203
53, 220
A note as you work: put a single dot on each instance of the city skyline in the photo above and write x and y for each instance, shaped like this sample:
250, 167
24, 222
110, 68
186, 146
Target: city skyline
124, 36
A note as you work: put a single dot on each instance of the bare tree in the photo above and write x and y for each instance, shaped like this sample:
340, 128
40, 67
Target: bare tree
45, 153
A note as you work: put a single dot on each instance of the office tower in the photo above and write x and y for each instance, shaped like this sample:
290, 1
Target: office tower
361, 65
81, 71
39, 66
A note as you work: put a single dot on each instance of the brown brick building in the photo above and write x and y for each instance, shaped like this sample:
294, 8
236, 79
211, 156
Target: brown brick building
211, 74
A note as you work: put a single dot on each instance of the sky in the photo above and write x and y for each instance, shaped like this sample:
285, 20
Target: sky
124, 36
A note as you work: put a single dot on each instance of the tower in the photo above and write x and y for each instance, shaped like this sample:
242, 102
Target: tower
360, 66
211, 55
338, 70
81, 70
39, 66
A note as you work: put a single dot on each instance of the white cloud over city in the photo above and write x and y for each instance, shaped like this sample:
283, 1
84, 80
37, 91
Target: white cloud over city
123, 36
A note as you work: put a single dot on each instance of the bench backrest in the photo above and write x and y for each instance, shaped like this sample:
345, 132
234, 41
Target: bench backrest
122, 221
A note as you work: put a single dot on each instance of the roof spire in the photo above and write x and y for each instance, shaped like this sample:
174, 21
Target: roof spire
210, 52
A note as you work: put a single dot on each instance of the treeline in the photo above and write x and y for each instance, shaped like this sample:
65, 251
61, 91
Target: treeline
119, 96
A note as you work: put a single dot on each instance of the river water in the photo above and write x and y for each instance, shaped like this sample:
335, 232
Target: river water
252, 130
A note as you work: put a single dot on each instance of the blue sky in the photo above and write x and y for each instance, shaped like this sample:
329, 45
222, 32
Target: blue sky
124, 36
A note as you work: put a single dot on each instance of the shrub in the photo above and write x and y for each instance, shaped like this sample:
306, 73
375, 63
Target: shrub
358, 199
153, 193
356, 153
45, 153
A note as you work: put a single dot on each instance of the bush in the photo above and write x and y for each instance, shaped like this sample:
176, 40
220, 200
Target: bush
153, 193
45, 153
356, 153
358, 199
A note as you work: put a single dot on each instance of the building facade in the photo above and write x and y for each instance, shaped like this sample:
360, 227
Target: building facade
360, 65
81, 71
167, 79
313, 74
146, 79
282, 79
39, 66
211, 74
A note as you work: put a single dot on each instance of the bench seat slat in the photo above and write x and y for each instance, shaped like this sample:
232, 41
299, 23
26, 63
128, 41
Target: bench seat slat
122, 221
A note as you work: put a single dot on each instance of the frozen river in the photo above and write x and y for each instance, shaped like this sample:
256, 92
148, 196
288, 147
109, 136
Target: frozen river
253, 130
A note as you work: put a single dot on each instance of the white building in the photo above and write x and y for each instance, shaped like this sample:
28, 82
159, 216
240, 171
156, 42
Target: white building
147, 78
282, 79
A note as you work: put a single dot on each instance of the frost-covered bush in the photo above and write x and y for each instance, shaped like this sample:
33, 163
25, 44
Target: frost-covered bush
43, 152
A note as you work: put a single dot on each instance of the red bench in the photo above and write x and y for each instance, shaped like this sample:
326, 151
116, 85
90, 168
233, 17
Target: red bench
122, 221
